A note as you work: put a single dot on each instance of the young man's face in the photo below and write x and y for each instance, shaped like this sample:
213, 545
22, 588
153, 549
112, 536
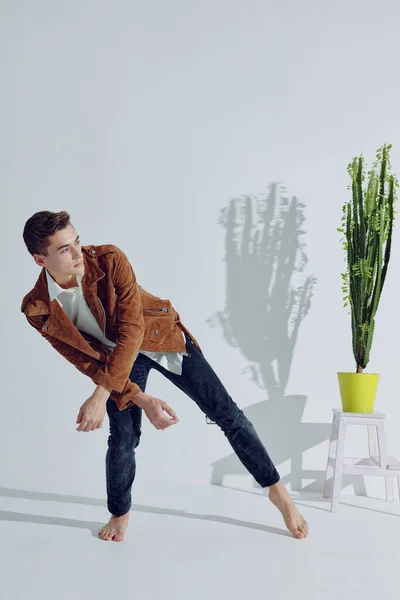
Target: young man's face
64, 258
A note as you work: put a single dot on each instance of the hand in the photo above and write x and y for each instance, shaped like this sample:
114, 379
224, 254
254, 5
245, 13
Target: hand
92, 412
154, 409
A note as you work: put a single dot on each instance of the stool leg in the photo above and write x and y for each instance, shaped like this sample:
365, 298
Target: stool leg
338, 470
331, 457
373, 443
383, 461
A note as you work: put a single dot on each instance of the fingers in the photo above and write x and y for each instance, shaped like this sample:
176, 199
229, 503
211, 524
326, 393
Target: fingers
79, 417
97, 426
167, 421
87, 426
83, 426
168, 409
163, 421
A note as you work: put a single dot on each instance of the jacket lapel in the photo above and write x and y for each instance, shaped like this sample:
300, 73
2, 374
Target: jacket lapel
58, 324
92, 275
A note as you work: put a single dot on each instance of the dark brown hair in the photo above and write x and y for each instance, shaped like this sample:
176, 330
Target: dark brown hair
40, 227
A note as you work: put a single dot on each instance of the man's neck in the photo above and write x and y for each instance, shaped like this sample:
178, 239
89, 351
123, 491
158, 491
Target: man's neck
65, 284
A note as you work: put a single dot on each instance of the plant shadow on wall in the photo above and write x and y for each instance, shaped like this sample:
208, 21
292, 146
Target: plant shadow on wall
268, 295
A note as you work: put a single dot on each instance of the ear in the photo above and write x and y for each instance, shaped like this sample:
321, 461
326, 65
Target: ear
38, 258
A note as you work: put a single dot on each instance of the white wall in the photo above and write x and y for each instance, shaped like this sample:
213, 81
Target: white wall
144, 120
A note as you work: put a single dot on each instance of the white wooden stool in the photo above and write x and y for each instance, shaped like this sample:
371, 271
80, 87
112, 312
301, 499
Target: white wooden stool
378, 462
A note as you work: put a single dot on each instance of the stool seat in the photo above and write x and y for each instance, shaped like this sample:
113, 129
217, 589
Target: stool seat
374, 415
377, 463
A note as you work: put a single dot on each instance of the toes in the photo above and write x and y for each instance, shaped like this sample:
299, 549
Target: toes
299, 534
303, 530
108, 534
302, 535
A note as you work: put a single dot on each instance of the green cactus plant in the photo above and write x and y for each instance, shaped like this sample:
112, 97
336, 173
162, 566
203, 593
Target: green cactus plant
367, 225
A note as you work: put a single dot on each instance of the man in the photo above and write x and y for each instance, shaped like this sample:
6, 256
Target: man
88, 305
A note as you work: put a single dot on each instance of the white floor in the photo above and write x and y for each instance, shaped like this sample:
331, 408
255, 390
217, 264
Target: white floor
194, 542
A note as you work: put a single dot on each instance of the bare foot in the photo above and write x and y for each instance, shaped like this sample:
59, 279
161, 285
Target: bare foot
115, 529
294, 521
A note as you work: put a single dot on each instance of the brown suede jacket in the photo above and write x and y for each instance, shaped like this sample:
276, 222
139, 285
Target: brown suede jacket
128, 315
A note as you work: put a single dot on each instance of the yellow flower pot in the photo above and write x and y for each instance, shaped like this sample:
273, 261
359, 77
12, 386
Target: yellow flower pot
358, 391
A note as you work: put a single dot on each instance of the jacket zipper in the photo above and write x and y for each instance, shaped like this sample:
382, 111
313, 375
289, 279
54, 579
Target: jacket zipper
155, 310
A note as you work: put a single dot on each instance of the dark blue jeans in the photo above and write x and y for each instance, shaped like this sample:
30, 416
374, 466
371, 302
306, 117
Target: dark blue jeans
200, 383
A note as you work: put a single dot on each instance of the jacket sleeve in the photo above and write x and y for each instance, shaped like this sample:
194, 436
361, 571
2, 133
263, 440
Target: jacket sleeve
114, 374
86, 364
